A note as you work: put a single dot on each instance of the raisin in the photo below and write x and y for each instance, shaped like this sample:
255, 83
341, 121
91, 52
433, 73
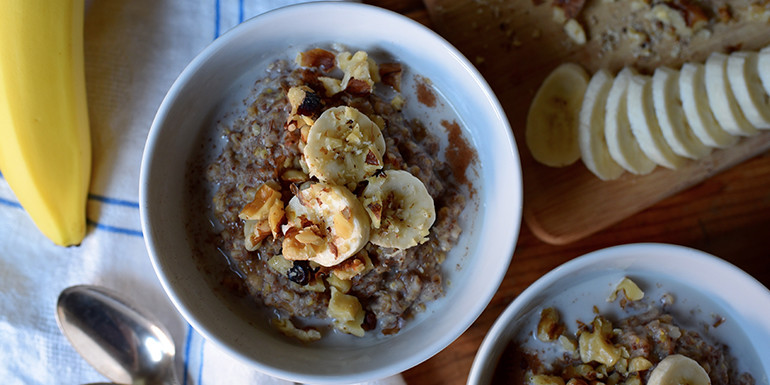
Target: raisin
301, 273
370, 321
311, 105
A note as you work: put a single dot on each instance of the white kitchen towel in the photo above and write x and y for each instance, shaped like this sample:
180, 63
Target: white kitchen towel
134, 51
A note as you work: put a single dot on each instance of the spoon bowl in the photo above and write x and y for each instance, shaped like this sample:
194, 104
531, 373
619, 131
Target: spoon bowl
121, 341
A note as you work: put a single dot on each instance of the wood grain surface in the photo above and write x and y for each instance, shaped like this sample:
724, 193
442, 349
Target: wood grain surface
721, 210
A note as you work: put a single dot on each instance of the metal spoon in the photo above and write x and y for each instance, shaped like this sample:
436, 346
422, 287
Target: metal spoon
122, 342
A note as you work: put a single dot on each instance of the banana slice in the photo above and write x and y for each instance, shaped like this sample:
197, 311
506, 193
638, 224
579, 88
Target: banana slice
692, 91
552, 121
721, 98
671, 118
326, 224
678, 369
621, 142
593, 145
400, 209
743, 76
344, 146
763, 67
644, 124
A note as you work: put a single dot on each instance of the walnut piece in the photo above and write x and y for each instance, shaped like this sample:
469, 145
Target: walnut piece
575, 31
262, 216
630, 290
597, 345
359, 75
347, 313
549, 328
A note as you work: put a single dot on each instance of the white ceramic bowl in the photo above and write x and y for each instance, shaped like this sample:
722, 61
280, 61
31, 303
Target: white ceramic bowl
217, 79
702, 285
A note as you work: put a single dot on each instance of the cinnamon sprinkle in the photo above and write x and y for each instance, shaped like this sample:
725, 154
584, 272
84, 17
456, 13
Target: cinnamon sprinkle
459, 153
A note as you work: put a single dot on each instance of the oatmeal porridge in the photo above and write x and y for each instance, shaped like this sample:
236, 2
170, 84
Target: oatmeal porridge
650, 346
329, 207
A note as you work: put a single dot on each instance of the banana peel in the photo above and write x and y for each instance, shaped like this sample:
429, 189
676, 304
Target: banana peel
45, 150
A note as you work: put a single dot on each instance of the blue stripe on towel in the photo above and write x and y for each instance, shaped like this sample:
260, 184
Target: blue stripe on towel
216, 19
187, 353
114, 229
114, 201
200, 363
10, 203
240, 11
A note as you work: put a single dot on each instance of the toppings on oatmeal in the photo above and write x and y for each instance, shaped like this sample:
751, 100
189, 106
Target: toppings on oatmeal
304, 102
322, 136
549, 328
646, 348
679, 369
400, 208
326, 224
344, 146
347, 312
317, 58
360, 74
597, 345
262, 217
629, 288
390, 74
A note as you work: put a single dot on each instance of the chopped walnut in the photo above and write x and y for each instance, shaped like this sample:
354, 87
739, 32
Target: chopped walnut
390, 73
347, 312
360, 264
597, 345
630, 290
638, 364
360, 74
318, 58
575, 31
549, 328
263, 216
294, 176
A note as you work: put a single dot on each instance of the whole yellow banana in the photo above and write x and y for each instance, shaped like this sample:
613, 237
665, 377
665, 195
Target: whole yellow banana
45, 145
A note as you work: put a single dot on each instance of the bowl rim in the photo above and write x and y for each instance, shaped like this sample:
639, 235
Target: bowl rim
492, 339
511, 232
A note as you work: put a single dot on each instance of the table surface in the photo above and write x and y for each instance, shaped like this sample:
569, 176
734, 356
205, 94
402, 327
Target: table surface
727, 215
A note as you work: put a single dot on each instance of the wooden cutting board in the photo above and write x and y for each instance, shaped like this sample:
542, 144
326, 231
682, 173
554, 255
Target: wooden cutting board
516, 43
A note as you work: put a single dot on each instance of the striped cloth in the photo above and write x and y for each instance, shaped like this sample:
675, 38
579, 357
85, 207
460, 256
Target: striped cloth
134, 51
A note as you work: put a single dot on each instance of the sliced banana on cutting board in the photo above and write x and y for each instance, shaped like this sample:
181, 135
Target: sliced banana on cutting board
552, 121
695, 103
593, 145
636, 122
721, 99
644, 123
671, 117
763, 67
621, 142
743, 76
400, 209
677, 369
